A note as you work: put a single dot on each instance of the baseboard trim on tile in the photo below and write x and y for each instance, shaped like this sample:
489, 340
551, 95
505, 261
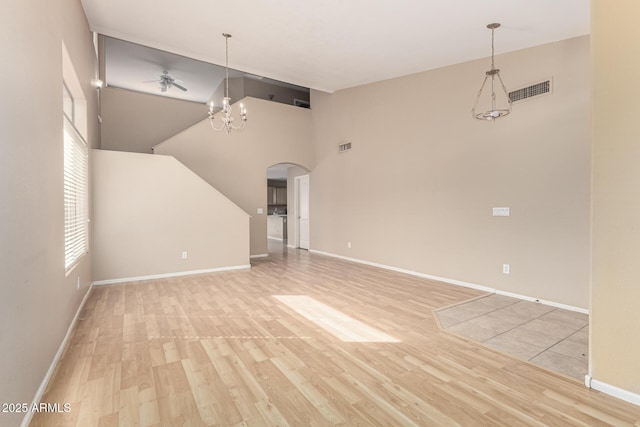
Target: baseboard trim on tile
259, 256
611, 390
544, 301
455, 282
54, 363
168, 275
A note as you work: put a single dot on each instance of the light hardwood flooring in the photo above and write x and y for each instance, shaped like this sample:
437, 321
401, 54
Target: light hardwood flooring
219, 349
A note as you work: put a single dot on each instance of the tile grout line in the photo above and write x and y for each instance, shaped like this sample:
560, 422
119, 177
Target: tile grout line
521, 325
480, 315
562, 340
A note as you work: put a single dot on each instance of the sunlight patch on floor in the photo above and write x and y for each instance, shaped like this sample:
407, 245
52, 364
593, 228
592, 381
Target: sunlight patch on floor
333, 321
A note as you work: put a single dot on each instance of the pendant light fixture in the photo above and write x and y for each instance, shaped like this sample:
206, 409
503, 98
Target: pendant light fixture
227, 120
495, 105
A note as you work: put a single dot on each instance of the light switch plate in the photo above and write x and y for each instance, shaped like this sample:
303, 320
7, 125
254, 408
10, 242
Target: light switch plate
260, 211
503, 211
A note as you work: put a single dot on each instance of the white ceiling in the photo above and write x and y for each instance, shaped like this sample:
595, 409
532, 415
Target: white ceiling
335, 44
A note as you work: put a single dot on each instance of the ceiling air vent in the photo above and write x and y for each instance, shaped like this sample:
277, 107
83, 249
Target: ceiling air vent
536, 89
344, 147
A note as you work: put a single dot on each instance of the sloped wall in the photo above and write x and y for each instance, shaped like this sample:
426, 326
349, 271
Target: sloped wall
236, 164
150, 209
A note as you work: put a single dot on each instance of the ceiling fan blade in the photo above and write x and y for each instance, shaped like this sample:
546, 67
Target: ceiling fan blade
182, 88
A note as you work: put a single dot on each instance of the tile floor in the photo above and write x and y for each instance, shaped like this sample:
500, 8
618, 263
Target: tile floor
551, 337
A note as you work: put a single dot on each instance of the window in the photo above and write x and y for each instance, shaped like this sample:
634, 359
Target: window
76, 230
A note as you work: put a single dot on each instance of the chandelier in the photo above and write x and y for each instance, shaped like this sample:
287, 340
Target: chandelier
492, 110
227, 120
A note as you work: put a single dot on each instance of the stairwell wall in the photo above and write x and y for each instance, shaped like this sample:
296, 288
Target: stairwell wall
236, 164
150, 209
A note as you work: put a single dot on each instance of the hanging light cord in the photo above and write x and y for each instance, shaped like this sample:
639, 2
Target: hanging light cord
227, 121
493, 50
226, 62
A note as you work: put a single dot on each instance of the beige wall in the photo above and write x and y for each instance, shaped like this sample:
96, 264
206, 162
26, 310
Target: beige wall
37, 300
236, 164
135, 121
418, 187
615, 292
150, 208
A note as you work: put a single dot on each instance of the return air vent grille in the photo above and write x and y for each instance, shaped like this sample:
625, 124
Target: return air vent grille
344, 147
536, 89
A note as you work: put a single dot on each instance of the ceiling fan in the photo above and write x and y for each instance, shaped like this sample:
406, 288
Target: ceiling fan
166, 82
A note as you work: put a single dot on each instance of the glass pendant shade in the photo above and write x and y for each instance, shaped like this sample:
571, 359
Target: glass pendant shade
493, 99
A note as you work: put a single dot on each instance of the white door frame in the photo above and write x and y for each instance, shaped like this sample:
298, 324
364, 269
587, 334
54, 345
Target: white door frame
294, 239
296, 186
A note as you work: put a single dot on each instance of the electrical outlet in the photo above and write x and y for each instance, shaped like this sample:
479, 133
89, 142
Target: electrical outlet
504, 211
184, 254
349, 245
506, 268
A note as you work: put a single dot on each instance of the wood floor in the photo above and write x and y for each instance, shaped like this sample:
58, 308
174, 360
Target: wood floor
221, 350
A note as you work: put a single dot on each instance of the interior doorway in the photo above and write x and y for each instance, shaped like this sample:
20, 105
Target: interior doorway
284, 207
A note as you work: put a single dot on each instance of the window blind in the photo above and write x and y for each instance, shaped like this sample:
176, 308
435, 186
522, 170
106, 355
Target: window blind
76, 230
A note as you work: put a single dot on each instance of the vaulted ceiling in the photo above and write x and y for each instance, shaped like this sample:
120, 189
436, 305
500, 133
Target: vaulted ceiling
334, 44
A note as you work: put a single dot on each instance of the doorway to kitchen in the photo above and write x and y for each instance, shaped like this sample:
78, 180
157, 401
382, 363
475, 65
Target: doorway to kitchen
287, 207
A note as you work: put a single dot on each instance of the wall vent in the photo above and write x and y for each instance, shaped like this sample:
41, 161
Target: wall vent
344, 147
536, 89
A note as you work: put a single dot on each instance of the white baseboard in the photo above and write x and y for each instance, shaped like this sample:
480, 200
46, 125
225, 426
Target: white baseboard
168, 275
544, 301
611, 390
275, 238
455, 282
45, 381
259, 256
292, 246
